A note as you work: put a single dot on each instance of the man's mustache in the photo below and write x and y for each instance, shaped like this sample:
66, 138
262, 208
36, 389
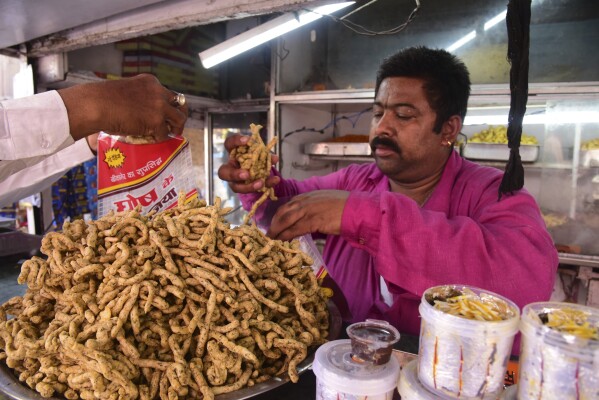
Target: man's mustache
386, 142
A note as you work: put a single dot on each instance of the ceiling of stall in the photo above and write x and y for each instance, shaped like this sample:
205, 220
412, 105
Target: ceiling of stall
50, 26
23, 20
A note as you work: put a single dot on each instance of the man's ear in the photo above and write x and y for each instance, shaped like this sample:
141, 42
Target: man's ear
451, 129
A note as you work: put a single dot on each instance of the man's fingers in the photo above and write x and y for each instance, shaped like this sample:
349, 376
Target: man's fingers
272, 181
162, 133
289, 233
245, 187
236, 177
175, 118
160, 138
286, 217
235, 141
232, 173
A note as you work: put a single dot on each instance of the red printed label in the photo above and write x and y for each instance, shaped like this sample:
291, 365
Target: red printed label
150, 176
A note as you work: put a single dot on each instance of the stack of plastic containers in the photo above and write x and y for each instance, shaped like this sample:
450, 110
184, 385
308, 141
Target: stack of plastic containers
465, 343
359, 368
409, 386
466, 338
559, 359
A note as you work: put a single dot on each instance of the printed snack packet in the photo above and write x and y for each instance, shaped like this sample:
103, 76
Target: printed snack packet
150, 175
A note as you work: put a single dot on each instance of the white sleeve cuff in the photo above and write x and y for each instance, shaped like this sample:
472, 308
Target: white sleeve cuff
33, 126
37, 177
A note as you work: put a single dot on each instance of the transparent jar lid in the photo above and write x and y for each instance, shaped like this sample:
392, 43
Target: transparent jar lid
335, 367
410, 387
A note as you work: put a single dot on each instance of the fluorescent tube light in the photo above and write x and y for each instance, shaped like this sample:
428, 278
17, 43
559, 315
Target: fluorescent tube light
566, 117
265, 32
495, 20
459, 43
485, 120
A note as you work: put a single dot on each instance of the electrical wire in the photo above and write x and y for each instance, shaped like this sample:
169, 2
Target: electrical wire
302, 129
361, 30
285, 52
352, 118
359, 8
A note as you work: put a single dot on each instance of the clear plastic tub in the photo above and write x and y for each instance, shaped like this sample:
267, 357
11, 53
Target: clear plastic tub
339, 376
510, 393
464, 358
409, 386
553, 364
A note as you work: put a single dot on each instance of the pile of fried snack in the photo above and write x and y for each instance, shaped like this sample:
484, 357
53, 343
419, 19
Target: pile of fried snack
170, 305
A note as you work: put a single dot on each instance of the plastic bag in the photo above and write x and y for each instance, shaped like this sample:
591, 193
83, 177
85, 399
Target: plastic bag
330, 288
308, 246
148, 175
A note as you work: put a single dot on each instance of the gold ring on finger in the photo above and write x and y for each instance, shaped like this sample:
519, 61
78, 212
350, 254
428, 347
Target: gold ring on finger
178, 100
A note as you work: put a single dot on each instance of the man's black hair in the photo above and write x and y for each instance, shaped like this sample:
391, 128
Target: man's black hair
447, 80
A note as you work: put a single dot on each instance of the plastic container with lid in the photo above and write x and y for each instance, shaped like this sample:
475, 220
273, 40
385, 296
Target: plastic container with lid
510, 393
341, 376
555, 364
409, 386
461, 357
372, 340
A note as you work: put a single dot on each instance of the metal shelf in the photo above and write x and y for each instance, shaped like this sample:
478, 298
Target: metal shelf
480, 94
496, 164
579, 259
535, 165
82, 77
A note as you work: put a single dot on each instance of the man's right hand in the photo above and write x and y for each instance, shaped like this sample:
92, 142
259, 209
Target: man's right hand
237, 177
138, 106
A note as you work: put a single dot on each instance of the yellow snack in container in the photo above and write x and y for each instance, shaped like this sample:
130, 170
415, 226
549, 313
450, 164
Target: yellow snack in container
466, 339
560, 352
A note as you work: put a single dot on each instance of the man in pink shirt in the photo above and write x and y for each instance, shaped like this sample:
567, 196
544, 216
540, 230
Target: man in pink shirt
420, 216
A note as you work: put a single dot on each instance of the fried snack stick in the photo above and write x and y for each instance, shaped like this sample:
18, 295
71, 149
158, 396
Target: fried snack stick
255, 157
297, 352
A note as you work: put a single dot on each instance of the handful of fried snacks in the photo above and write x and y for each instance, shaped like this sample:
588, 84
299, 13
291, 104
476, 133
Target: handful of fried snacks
171, 305
256, 158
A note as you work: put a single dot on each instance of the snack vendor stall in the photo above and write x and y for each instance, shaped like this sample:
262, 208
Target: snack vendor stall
317, 102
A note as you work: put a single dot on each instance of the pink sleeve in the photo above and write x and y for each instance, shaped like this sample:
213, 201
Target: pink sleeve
503, 246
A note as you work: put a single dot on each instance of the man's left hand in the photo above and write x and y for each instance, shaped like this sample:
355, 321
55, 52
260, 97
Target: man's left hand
317, 211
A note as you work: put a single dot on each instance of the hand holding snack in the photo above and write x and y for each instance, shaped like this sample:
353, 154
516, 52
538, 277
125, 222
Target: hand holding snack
239, 178
138, 106
250, 162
